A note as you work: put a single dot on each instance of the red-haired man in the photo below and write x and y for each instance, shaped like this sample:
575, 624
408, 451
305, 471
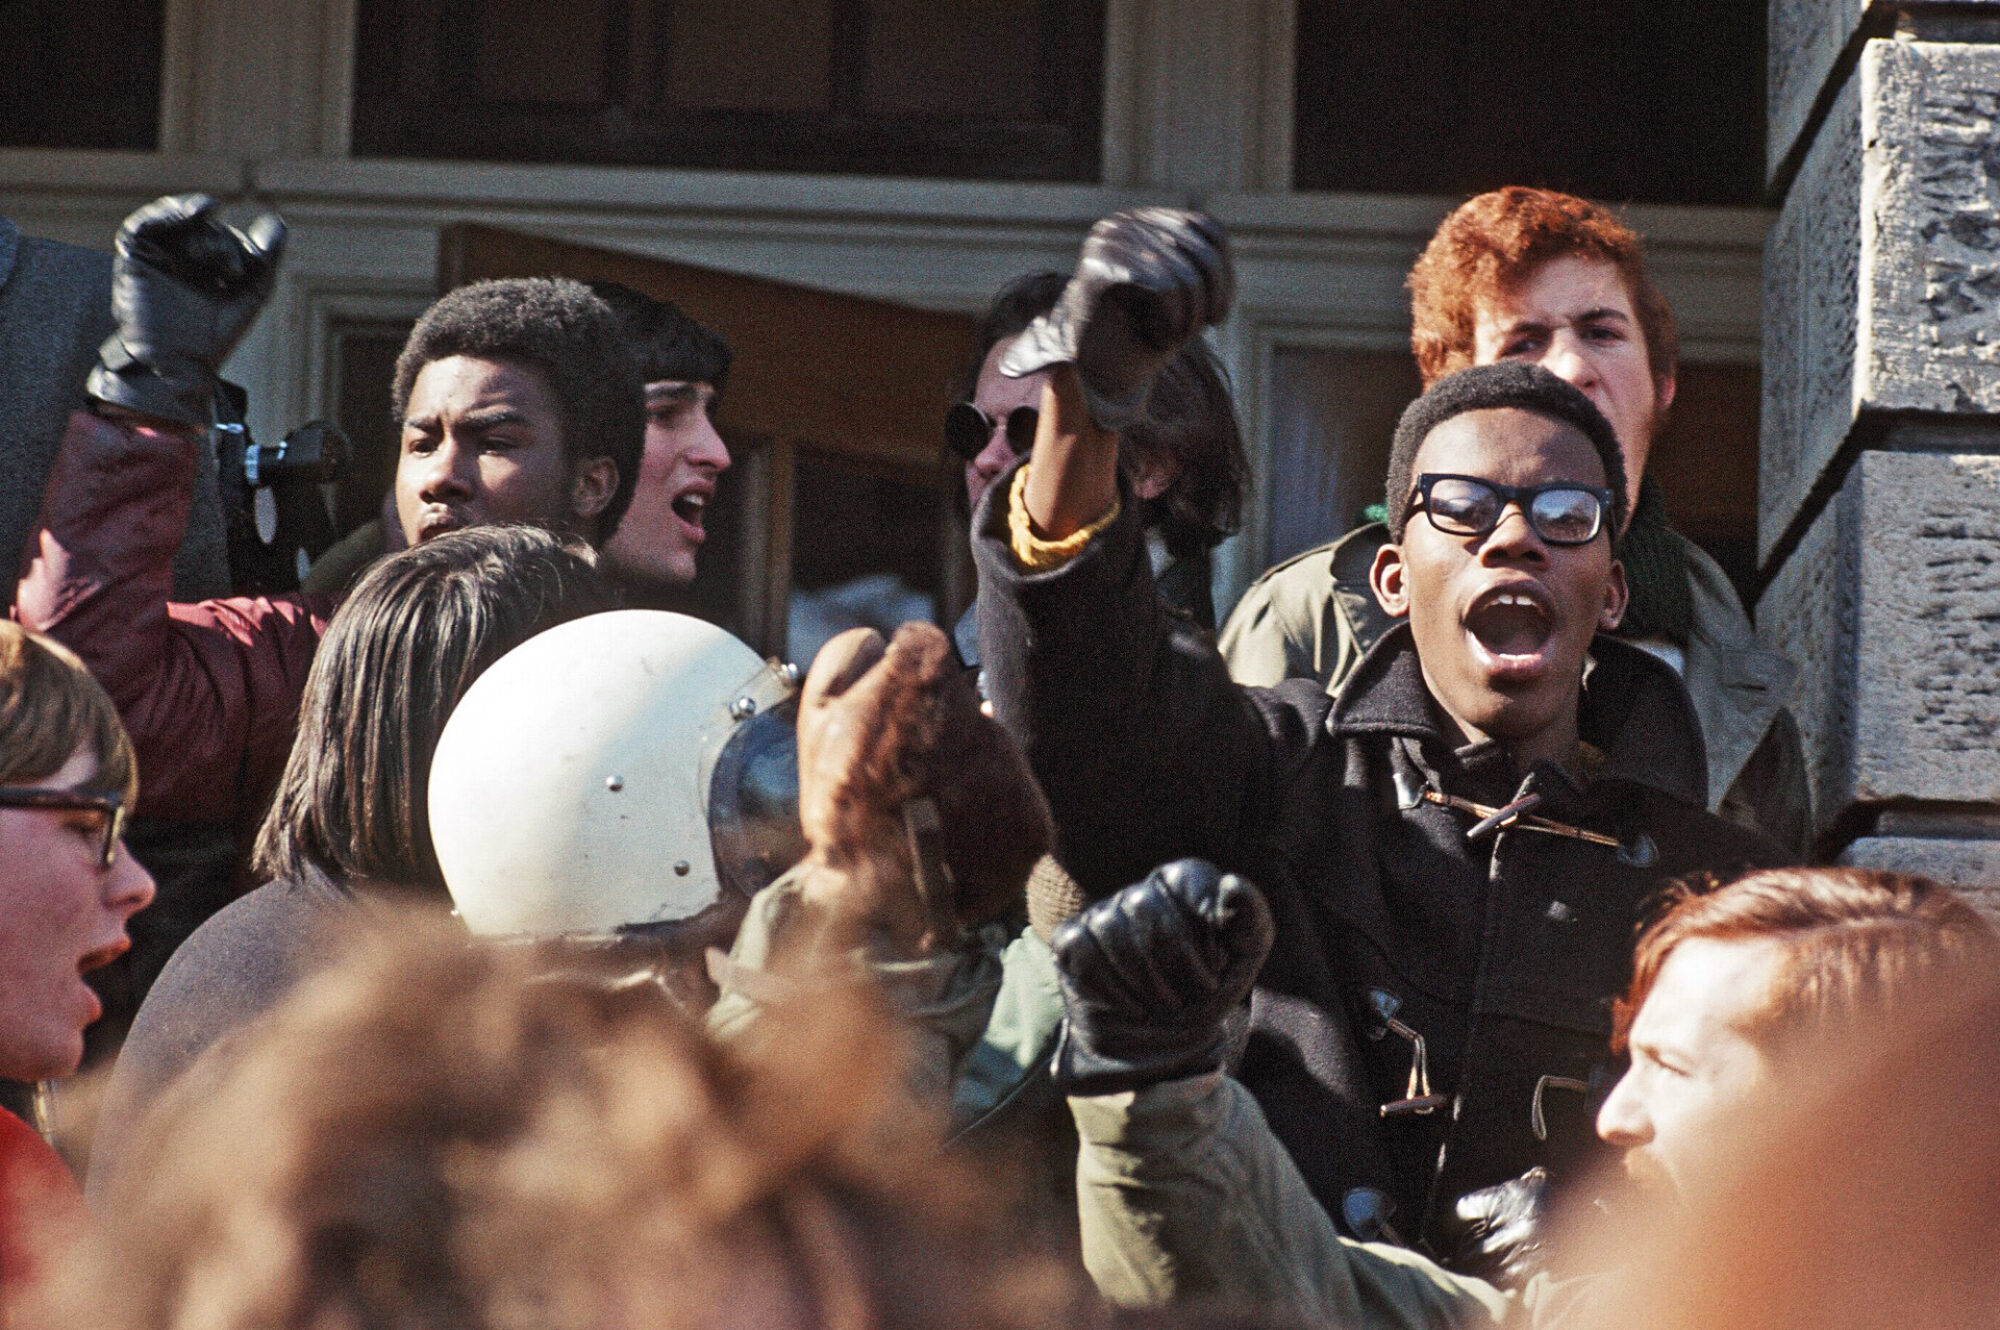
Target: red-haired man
1529, 274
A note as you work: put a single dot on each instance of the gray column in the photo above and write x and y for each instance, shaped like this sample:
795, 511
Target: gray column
1879, 522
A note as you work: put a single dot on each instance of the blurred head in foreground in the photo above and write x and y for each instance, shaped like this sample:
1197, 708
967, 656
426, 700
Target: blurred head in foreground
453, 1135
1815, 1064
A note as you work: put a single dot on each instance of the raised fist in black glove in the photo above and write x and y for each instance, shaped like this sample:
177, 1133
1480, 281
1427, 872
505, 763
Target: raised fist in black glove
184, 287
1150, 976
1146, 284
1498, 1233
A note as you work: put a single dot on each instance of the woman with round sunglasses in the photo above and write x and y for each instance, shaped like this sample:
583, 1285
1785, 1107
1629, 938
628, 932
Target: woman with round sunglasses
1185, 459
67, 887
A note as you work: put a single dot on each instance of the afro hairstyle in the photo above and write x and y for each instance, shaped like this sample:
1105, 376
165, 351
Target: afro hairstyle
557, 328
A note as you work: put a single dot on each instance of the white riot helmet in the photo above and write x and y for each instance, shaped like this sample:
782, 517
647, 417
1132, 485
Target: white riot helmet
620, 773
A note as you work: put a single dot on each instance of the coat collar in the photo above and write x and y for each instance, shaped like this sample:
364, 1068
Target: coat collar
1633, 709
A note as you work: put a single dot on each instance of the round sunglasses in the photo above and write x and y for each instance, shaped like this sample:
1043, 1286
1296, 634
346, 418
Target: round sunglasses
967, 429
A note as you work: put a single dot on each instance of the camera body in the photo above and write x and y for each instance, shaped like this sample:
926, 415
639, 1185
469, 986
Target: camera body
274, 495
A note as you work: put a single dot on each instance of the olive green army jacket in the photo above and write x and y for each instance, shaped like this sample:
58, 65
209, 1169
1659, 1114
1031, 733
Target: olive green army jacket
1184, 1193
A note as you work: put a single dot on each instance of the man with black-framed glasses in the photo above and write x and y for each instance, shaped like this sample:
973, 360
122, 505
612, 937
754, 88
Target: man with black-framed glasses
67, 891
1550, 279
1456, 847
103, 809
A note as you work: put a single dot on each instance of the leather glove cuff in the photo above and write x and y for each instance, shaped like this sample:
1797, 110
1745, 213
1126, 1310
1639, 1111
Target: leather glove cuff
183, 393
1080, 1069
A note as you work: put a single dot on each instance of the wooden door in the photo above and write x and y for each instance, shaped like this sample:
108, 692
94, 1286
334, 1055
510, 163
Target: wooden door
832, 415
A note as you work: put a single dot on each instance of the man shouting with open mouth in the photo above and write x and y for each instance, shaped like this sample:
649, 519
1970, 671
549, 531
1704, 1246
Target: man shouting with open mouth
1457, 846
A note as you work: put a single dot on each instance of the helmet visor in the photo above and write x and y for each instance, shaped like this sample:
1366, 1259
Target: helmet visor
751, 773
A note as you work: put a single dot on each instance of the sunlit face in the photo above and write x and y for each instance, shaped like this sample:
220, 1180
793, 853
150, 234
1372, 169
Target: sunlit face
1694, 1064
656, 542
482, 442
1502, 622
1574, 317
997, 395
64, 916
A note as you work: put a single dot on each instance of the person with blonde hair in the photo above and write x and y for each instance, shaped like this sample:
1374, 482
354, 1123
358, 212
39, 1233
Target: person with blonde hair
67, 888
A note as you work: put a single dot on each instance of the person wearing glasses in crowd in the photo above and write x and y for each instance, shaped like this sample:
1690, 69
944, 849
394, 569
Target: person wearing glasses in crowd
1457, 846
1185, 457
67, 888
1558, 281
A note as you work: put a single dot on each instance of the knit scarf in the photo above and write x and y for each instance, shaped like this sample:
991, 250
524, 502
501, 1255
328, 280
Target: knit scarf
1656, 569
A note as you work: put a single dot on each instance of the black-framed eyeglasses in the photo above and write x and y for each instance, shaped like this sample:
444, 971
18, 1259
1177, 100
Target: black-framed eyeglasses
1564, 513
967, 429
112, 806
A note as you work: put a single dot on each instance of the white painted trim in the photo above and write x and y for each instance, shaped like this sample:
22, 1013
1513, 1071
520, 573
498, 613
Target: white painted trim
180, 70
333, 54
1122, 158
1269, 166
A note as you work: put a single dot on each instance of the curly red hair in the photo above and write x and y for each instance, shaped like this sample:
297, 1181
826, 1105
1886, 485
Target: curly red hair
1494, 241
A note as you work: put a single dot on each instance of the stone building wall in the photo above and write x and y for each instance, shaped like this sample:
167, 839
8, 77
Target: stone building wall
1879, 524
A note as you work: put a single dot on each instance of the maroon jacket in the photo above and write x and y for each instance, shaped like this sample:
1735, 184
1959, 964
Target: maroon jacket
210, 691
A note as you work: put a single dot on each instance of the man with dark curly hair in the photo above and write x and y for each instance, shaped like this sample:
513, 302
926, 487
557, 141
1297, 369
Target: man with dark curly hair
1456, 845
518, 401
1558, 281
650, 557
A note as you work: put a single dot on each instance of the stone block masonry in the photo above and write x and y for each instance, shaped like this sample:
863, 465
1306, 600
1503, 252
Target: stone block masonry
1891, 607
1882, 275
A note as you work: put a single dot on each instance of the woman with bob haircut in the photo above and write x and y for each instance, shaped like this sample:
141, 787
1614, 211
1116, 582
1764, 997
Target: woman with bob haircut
67, 886
347, 826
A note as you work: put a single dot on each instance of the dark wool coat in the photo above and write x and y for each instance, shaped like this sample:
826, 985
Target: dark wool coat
233, 969
1504, 954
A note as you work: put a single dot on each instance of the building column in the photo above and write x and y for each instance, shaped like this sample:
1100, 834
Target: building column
1879, 526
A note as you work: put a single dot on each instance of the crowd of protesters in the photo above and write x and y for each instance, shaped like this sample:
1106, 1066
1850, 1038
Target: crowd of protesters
1432, 949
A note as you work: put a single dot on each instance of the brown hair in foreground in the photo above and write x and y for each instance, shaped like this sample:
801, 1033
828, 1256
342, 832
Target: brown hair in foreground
456, 1136
50, 705
1493, 242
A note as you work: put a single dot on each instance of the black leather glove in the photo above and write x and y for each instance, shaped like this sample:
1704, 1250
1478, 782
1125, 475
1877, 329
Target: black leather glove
1146, 284
1150, 976
184, 287
1496, 1233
